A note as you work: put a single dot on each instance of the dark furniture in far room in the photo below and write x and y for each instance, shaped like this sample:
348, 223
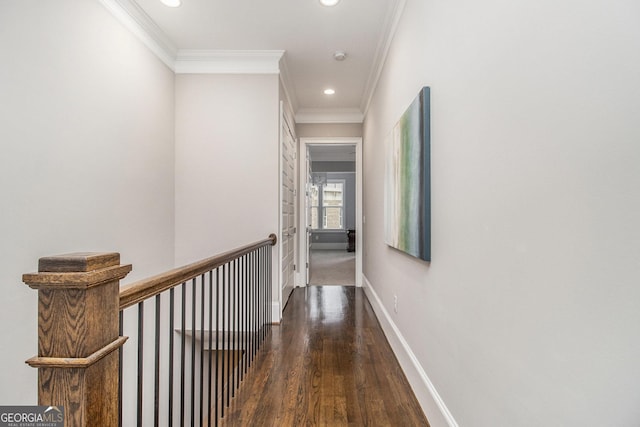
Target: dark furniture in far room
351, 240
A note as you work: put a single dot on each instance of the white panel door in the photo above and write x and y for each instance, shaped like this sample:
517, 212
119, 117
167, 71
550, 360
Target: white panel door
308, 228
288, 219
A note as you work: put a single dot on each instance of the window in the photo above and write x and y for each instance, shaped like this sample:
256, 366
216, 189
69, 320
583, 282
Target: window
332, 205
327, 205
315, 203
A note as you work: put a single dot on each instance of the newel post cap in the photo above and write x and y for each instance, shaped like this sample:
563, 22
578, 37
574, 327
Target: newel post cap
79, 270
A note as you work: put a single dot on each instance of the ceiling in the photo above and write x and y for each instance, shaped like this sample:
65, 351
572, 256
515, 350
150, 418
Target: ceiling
306, 31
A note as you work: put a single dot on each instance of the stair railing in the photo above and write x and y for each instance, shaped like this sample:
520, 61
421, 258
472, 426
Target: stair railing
208, 321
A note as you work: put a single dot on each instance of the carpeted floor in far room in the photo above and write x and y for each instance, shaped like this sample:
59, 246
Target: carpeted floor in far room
333, 268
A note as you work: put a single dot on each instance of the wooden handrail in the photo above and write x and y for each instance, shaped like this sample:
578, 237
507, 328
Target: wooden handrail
141, 290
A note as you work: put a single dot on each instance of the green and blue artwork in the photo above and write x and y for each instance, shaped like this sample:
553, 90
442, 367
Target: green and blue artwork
408, 181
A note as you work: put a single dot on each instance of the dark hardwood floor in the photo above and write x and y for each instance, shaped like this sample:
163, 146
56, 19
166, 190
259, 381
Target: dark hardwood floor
328, 364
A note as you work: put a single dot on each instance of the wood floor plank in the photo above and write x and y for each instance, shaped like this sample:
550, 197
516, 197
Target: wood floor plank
327, 364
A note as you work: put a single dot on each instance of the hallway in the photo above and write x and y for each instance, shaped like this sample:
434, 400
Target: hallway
327, 363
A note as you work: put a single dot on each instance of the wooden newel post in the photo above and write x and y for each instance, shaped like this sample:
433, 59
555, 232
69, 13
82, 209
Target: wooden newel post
78, 335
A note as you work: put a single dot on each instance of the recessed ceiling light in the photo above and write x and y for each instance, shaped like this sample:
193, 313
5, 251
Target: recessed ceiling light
171, 3
329, 91
329, 2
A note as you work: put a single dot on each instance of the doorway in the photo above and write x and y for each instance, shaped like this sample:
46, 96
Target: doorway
330, 206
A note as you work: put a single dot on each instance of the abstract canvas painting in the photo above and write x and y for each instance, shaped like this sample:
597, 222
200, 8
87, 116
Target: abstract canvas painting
408, 180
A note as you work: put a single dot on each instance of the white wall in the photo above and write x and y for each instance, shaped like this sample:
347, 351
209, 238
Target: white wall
227, 144
226, 162
86, 132
313, 130
528, 314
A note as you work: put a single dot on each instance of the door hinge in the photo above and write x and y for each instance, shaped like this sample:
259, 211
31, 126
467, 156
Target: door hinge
294, 267
307, 265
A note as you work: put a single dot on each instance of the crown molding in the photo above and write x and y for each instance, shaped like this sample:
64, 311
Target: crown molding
228, 61
390, 26
287, 85
319, 115
129, 14
185, 61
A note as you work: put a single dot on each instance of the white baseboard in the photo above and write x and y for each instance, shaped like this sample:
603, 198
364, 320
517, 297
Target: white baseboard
276, 313
301, 276
432, 404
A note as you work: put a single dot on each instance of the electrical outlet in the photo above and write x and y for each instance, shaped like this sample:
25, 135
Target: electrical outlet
395, 303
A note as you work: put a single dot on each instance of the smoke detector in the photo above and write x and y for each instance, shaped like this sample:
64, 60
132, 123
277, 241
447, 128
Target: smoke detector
339, 55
